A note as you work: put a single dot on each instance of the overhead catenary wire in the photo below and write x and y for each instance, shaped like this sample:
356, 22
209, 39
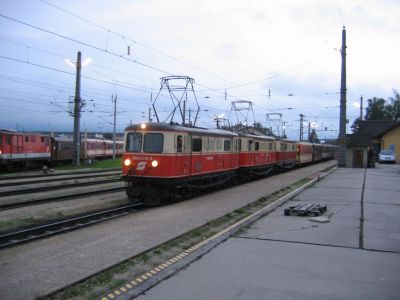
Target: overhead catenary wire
124, 37
70, 73
85, 44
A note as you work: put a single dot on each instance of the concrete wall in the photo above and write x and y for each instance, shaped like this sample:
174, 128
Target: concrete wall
392, 138
349, 156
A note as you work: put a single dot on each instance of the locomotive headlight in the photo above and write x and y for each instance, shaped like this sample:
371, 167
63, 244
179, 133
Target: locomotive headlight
154, 163
143, 126
127, 162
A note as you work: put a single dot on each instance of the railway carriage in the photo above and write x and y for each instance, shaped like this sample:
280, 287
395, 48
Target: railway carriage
286, 153
62, 148
162, 160
257, 156
304, 153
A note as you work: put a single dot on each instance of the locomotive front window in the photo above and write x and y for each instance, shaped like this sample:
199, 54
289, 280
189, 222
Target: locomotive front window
153, 142
134, 142
1, 139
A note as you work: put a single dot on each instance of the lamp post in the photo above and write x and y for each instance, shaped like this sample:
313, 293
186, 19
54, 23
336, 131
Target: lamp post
77, 113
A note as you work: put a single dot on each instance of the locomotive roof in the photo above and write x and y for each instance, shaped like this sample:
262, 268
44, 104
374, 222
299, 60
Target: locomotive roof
14, 132
179, 128
266, 137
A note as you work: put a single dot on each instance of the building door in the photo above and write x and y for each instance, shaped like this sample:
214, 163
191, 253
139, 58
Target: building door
358, 159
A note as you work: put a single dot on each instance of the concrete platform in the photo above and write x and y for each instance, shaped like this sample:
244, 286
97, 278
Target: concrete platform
38, 268
289, 257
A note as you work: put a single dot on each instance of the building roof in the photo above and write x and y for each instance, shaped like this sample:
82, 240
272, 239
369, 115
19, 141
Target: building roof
367, 130
373, 127
394, 126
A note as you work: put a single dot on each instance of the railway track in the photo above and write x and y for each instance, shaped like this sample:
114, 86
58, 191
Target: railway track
4, 177
53, 178
43, 231
25, 192
21, 191
59, 198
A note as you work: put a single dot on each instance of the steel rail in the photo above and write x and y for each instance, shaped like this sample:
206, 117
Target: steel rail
43, 231
58, 198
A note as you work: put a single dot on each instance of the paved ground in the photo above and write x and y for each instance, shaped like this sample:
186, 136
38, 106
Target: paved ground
37, 268
289, 257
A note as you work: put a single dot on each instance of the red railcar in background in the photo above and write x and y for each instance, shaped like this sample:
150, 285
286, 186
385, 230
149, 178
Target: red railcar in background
23, 149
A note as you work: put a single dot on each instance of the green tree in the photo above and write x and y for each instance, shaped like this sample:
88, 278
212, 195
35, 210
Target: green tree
377, 109
356, 125
393, 108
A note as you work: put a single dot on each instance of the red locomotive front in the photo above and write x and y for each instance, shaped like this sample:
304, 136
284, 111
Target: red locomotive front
23, 149
162, 160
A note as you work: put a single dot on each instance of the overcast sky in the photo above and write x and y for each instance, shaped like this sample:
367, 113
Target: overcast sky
276, 54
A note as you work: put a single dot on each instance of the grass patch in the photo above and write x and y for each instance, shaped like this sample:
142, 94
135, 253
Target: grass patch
103, 283
17, 223
98, 164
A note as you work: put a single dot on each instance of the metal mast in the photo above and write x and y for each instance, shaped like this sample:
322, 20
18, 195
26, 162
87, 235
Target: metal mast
77, 114
342, 127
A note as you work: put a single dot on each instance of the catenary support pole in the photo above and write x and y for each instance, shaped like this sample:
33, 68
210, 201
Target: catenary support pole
342, 126
77, 114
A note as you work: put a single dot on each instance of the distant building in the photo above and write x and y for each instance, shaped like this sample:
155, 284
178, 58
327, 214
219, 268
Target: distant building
390, 140
363, 146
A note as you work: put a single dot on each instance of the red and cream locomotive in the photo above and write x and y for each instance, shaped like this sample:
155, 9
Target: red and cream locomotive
163, 160
22, 149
